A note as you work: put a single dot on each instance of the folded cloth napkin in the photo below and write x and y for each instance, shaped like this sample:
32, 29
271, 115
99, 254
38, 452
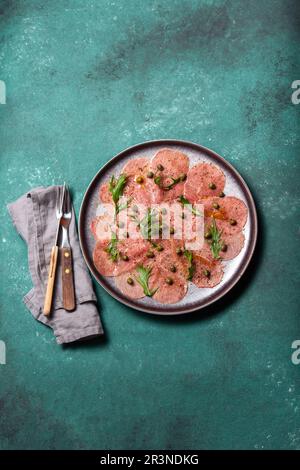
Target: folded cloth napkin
34, 216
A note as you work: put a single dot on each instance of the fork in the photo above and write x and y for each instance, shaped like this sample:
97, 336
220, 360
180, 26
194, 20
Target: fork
54, 253
66, 254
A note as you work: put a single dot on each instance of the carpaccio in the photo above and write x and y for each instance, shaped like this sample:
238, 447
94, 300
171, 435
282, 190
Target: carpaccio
153, 264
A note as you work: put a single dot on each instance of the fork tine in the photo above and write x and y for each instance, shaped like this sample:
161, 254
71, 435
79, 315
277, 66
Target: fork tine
68, 201
58, 199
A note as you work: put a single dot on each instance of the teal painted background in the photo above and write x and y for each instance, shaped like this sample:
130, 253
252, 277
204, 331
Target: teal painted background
86, 79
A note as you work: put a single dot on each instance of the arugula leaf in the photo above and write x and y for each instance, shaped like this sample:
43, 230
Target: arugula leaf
216, 242
124, 205
191, 265
112, 248
116, 187
175, 181
186, 202
143, 280
148, 223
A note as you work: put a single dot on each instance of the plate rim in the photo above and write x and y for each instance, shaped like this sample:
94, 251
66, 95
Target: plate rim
253, 230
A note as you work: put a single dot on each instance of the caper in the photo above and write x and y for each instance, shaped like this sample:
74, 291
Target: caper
173, 268
150, 174
124, 257
160, 248
164, 211
157, 180
121, 224
212, 186
169, 281
139, 180
222, 194
130, 281
160, 167
172, 230
224, 247
206, 273
207, 235
150, 254
135, 208
232, 221
216, 205
182, 177
179, 251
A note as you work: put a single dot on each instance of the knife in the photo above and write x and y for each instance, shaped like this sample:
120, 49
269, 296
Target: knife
54, 252
66, 254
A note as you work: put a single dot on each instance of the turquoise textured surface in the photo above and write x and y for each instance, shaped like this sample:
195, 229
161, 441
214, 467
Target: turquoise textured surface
85, 79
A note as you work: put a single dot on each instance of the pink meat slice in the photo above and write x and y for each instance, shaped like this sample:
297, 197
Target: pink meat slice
135, 290
214, 267
198, 180
136, 253
234, 243
102, 226
140, 193
167, 294
230, 208
175, 163
102, 262
104, 193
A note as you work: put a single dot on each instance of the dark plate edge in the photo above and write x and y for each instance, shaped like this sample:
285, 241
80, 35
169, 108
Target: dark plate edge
230, 284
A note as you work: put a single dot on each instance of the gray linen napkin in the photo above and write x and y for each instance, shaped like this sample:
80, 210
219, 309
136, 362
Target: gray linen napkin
34, 216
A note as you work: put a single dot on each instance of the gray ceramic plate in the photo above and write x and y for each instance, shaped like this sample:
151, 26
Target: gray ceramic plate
195, 298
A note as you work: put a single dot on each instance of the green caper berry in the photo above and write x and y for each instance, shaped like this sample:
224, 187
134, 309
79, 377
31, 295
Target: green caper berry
169, 281
135, 208
212, 186
216, 205
130, 281
206, 273
157, 180
159, 248
164, 211
182, 177
224, 248
160, 167
207, 235
150, 254
173, 268
125, 258
150, 174
222, 194
172, 230
121, 224
232, 222
179, 251
139, 180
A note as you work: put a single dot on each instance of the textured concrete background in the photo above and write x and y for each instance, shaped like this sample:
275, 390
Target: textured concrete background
84, 80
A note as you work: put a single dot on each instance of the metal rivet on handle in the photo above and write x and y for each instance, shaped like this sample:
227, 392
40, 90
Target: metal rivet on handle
67, 271
67, 254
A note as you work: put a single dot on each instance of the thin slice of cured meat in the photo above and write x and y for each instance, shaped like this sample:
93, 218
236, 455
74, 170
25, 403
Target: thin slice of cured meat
167, 293
203, 180
102, 261
207, 273
234, 245
133, 290
102, 227
134, 253
174, 164
231, 213
104, 193
139, 192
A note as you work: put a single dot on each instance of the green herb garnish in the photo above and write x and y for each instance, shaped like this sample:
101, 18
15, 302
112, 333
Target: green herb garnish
186, 202
149, 224
191, 265
116, 187
175, 181
143, 280
124, 205
112, 248
216, 243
